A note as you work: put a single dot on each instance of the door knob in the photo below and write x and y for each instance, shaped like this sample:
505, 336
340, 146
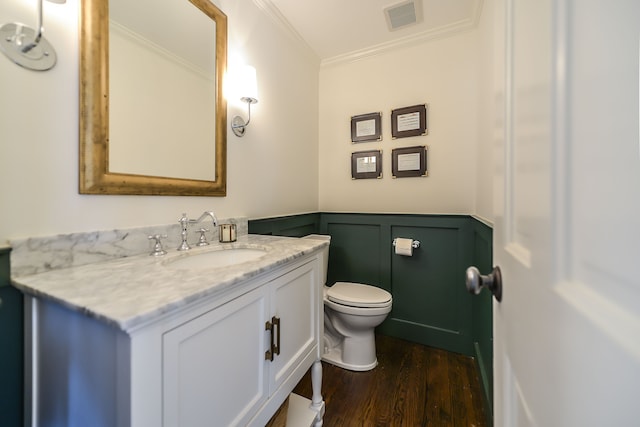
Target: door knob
493, 282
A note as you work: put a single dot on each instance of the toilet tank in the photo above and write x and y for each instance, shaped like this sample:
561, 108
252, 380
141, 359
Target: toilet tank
325, 253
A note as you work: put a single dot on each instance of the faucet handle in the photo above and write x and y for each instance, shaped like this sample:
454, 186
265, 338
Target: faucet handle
157, 246
202, 241
184, 223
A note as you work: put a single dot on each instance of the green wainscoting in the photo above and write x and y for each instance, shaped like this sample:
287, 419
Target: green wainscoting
11, 348
290, 226
431, 305
482, 312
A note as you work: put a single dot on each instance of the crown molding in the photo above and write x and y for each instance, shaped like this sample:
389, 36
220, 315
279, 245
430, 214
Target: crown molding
273, 13
433, 34
270, 10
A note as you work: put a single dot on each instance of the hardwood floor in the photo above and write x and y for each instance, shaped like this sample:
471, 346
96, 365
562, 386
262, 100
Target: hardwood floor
413, 385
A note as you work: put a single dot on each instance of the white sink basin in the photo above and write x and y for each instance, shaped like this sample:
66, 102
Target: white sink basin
215, 259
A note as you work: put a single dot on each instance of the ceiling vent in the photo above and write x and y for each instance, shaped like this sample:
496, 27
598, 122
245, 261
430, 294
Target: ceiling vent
403, 14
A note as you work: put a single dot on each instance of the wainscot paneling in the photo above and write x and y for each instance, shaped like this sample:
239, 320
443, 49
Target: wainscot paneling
431, 305
11, 348
430, 302
290, 226
482, 312
354, 253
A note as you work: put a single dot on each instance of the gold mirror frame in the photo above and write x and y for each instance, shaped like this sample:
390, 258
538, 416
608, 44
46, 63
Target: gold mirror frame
95, 177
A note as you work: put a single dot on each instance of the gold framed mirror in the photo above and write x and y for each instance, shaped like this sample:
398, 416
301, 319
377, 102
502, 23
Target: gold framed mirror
98, 171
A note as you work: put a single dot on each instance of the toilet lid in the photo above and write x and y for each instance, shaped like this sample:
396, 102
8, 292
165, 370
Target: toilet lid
357, 295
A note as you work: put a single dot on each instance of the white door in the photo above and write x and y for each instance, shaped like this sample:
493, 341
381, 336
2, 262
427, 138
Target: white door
567, 213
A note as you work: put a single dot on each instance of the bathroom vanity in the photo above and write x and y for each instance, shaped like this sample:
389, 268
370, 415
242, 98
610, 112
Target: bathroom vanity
157, 341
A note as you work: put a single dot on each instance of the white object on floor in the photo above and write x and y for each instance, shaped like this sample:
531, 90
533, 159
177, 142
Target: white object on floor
299, 413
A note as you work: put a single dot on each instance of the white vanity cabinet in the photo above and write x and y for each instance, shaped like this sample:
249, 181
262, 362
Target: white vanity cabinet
204, 364
214, 366
221, 365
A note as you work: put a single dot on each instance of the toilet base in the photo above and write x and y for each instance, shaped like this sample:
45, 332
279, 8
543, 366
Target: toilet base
334, 356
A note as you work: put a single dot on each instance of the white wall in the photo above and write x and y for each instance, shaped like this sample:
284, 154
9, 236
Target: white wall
295, 156
442, 73
271, 171
486, 113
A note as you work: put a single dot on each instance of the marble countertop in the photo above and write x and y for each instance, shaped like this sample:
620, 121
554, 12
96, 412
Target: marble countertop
128, 292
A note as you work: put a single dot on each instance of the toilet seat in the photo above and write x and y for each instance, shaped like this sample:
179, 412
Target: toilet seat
358, 295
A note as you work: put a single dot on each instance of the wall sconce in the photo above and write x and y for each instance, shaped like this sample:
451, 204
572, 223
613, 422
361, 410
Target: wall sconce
26, 46
248, 88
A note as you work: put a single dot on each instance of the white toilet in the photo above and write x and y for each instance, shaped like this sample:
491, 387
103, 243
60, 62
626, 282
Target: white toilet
351, 313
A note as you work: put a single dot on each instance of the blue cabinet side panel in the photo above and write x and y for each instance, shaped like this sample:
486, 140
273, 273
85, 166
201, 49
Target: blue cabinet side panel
11, 348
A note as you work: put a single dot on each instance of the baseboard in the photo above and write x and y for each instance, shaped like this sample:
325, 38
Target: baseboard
485, 381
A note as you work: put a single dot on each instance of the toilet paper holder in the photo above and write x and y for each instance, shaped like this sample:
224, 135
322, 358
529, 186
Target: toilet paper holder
415, 244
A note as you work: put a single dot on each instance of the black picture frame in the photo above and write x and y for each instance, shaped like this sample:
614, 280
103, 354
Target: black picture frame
366, 164
366, 127
409, 121
409, 162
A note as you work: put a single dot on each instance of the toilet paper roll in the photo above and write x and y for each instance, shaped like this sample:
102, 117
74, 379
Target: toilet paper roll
404, 247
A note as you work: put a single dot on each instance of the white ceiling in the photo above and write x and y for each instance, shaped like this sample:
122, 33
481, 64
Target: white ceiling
339, 30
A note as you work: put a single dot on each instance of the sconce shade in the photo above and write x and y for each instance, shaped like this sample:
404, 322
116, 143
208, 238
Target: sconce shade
247, 83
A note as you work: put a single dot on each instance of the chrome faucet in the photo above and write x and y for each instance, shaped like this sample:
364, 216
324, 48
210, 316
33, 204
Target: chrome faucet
203, 216
184, 223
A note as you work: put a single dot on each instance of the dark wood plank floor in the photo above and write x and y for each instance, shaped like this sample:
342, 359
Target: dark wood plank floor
412, 385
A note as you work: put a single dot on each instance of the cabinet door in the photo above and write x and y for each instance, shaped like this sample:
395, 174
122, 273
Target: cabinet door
213, 366
294, 300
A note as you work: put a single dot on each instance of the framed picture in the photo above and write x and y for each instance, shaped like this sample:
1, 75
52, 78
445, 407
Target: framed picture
409, 161
366, 164
409, 121
366, 127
